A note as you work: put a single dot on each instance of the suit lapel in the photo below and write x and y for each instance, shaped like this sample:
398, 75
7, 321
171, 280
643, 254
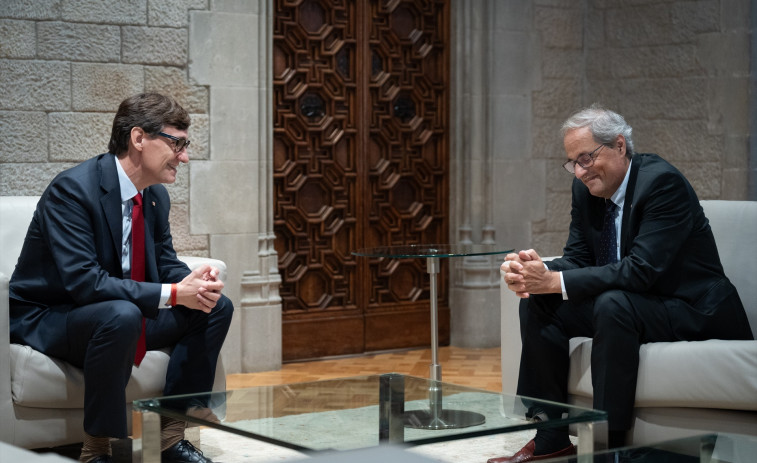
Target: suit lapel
110, 201
629, 203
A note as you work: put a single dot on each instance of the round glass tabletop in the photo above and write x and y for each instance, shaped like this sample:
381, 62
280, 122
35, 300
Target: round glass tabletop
432, 250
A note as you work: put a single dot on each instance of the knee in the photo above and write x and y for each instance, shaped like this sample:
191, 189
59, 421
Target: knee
612, 308
123, 318
223, 310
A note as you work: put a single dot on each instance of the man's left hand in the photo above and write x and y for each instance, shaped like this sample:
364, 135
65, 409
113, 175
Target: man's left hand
201, 289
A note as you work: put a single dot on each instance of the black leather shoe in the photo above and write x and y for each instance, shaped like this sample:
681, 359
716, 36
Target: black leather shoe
183, 452
101, 459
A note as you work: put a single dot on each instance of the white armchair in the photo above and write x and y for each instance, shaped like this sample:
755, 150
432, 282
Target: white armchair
684, 388
41, 398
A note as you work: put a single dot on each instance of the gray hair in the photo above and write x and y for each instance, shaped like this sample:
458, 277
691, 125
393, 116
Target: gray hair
605, 126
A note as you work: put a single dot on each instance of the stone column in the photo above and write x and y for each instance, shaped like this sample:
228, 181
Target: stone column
231, 193
494, 69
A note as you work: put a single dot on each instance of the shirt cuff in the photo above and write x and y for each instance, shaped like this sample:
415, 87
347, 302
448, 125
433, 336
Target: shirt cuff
562, 287
165, 296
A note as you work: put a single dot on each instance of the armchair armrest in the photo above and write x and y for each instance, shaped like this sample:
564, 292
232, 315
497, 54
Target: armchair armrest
510, 335
194, 262
6, 401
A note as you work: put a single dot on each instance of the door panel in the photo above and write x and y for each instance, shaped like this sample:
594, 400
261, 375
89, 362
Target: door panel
360, 160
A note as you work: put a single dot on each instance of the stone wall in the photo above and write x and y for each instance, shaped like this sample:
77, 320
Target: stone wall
64, 68
678, 71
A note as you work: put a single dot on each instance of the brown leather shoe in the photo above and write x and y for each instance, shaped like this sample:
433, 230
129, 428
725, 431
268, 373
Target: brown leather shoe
527, 454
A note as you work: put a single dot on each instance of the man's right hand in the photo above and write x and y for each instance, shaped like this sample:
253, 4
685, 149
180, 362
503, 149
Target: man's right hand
200, 290
513, 263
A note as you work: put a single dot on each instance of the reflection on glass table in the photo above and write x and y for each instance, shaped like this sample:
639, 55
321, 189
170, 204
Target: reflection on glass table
706, 448
437, 416
351, 413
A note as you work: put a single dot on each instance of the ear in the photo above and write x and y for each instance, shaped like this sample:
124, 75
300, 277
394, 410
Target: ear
621, 144
137, 137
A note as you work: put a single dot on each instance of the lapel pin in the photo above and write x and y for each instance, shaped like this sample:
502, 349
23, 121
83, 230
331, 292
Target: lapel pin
153, 204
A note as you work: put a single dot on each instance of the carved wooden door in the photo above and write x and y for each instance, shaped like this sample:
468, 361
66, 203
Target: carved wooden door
360, 160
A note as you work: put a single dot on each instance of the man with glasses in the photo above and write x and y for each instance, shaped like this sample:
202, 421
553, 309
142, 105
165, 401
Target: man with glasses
98, 282
640, 265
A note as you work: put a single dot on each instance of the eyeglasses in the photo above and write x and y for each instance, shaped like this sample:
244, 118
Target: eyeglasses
585, 160
178, 143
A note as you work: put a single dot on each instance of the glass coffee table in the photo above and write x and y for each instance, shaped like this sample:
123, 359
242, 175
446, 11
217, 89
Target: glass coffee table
437, 416
351, 413
705, 448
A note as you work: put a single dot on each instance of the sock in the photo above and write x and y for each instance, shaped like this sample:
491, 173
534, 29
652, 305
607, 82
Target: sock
94, 447
203, 413
171, 432
551, 440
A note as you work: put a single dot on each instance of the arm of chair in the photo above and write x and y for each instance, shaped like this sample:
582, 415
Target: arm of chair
510, 337
194, 262
6, 401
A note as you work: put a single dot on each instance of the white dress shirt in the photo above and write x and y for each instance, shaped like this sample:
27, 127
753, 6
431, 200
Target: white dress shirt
128, 191
619, 198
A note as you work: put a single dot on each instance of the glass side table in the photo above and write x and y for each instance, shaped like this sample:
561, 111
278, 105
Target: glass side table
436, 417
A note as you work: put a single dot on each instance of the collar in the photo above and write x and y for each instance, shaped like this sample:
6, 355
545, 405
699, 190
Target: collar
128, 190
619, 197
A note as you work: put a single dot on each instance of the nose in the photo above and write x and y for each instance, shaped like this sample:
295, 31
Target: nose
183, 156
579, 171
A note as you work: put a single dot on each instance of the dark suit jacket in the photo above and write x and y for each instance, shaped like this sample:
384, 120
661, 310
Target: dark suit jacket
72, 252
667, 249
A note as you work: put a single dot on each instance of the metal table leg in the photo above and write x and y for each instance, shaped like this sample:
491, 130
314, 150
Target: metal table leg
436, 417
147, 450
592, 437
391, 408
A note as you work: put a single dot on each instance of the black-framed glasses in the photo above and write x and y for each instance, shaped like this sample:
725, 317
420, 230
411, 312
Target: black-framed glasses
586, 160
178, 143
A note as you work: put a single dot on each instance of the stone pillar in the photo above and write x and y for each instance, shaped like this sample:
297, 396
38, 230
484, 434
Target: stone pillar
232, 193
495, 185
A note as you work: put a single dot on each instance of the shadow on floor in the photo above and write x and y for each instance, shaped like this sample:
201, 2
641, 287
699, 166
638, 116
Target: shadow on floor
121, 450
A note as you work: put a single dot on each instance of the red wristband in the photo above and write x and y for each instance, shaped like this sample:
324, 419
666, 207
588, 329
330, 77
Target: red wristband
174, 288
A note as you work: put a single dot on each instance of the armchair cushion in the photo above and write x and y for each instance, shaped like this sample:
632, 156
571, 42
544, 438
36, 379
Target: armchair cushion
37, 380
682, 374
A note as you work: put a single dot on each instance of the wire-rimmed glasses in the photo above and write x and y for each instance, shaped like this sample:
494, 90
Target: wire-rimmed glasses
585, 160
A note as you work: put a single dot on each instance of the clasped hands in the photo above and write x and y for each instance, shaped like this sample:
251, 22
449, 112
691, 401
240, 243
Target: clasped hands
201, 289
525, 274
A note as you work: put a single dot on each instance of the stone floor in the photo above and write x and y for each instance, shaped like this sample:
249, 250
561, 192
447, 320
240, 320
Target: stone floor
222, 447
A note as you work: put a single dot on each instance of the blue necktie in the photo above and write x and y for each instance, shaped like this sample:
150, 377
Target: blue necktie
608, 253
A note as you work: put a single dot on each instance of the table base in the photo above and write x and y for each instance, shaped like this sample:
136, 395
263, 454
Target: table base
447, 419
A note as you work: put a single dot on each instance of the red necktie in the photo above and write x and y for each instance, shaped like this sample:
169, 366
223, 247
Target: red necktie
138, 263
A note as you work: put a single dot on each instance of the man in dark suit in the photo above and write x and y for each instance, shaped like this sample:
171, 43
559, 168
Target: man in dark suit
95, 291
641, 268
